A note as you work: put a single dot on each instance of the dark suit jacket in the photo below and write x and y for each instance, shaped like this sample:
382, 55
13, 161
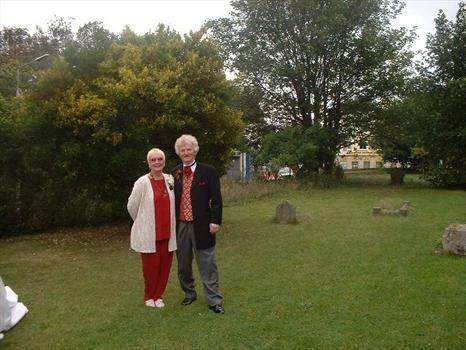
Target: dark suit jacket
206, 200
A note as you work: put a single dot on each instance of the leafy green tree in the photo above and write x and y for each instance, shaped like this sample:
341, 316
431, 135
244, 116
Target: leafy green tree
297, 149
394, 130
91, 118
15, 49
58, 35
444, 131
317, 63
10, 162
18, 49
248, 100
90, 47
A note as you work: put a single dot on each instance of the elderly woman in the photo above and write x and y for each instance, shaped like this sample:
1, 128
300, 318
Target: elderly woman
153, 234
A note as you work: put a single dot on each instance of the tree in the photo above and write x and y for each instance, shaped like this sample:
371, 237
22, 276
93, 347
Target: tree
394, 129
248, 100
90, 47
18, 48
11, 147
317, 62
91, 118
444, 104
297, 149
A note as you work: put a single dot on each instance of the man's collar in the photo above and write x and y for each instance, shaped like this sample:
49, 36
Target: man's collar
192, 166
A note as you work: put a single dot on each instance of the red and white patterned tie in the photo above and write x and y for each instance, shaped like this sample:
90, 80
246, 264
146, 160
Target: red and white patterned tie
186, 210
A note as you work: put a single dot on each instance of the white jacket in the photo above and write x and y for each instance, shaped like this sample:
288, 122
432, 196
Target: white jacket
141, 208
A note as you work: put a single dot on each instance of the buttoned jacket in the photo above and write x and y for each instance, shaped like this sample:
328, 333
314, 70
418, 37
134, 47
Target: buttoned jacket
206, 201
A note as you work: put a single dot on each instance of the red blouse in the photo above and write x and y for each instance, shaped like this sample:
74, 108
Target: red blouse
162, 209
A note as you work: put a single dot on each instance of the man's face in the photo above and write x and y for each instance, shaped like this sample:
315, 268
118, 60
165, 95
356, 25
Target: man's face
187, 154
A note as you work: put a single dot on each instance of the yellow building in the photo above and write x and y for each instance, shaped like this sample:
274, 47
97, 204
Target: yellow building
359, 157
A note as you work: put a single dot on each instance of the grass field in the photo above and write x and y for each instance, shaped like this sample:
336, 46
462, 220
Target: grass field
341, 278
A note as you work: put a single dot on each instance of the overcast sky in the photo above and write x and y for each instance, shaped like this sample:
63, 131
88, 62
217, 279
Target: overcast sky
181, 15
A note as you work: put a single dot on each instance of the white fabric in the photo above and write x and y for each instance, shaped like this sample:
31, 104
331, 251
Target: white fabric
17, 313
5, 313
11, 312
11, 297
141, 209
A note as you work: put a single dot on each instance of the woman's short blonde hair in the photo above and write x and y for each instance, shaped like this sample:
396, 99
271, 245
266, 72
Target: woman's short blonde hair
186, 140
154, 151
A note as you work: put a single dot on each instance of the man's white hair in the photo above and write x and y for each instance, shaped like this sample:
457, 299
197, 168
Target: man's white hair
184, 140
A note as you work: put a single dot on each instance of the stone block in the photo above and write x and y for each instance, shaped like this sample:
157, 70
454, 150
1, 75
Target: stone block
285, 213
376, 210
403, 211
454, 239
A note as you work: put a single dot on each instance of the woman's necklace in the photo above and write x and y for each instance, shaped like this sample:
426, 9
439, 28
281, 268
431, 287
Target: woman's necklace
159, 186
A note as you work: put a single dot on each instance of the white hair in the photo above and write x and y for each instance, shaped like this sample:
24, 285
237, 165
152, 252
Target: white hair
186, 140
153, 151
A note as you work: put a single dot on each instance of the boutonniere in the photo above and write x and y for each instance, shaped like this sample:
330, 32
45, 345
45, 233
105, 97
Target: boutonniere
177, 174
170, 182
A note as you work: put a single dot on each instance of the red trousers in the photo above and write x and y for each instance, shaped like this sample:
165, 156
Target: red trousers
156, 269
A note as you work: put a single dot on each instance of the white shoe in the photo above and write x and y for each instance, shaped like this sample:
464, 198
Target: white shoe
159, 303
150, 303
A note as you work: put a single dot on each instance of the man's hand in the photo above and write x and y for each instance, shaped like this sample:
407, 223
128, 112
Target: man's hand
214, 228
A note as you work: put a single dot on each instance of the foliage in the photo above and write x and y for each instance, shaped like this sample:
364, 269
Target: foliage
90, 118
13, 141
425, 128
322, 63
19, 49
445, 137
444, 131
296, 148
394, 132
445, 48
89, 49
248, 100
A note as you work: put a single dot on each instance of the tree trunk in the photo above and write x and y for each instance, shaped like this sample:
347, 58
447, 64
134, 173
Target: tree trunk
397, 176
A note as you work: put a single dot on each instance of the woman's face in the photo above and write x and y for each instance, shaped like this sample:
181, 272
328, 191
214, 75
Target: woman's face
156, 162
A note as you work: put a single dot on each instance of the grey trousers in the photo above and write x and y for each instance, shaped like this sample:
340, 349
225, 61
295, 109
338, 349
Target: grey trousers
205, 259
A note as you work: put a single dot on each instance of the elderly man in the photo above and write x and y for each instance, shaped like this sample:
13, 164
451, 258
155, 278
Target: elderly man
198, 203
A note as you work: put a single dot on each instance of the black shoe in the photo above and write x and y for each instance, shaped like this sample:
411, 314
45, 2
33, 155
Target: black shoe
188, 301
218, 309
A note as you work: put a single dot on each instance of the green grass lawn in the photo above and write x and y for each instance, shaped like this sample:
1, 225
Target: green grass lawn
341, 278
